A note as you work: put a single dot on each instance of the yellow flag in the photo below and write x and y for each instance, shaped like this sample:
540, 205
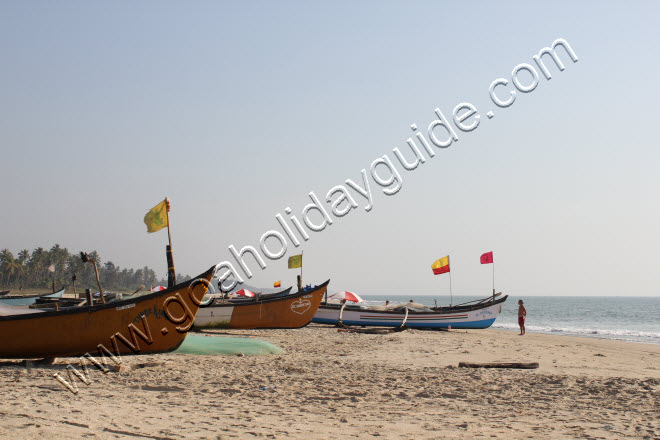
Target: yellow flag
156, 219
295, 261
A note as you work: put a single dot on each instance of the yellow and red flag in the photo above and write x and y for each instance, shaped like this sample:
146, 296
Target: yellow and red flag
277, 284
156, 219
441, 266
295, 261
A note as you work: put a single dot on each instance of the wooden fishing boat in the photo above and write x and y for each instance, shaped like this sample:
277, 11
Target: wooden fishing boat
152, 323
19, 300
474, 314
289, 311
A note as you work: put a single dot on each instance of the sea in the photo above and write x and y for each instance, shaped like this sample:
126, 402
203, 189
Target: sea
635, 319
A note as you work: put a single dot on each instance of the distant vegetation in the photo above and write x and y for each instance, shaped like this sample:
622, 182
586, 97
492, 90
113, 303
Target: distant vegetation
38, 269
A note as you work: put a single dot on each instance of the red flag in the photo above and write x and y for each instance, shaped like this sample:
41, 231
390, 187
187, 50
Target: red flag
487, 258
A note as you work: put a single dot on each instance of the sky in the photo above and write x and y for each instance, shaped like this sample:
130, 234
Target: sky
238, 110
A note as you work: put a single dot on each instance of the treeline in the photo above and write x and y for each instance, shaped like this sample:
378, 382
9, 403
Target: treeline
39, 268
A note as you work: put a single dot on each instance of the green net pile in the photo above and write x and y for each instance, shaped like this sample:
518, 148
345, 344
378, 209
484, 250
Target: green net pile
225, 345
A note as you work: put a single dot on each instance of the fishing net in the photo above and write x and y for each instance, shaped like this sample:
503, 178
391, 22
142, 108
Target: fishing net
224, 345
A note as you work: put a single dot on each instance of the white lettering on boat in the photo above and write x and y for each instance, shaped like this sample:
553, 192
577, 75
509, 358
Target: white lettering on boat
300, 306
127, 306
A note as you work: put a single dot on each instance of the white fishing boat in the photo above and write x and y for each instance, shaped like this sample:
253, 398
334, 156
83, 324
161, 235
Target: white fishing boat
471, 315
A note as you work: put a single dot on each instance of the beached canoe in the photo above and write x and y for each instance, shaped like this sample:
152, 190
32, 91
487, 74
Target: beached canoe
153, 323
289, 311
18, 300
4, 292
479, 314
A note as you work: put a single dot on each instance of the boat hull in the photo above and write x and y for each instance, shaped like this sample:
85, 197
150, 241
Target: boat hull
458, 318
153, 323
290, 311
28, 300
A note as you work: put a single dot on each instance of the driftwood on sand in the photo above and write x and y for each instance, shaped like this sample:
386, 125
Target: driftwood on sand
522, 365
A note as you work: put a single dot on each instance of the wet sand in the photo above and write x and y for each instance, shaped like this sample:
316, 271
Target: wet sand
337, 385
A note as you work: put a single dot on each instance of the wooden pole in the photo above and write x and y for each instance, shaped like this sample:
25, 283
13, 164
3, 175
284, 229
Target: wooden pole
98, 281
171, 272
520, 365
301, 265
167, 215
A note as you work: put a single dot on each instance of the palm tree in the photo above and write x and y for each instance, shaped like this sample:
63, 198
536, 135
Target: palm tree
5, 257
37, 267
23, 257
10, 265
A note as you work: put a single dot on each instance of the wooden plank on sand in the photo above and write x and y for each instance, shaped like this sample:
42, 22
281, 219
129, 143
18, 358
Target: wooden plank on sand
523, 365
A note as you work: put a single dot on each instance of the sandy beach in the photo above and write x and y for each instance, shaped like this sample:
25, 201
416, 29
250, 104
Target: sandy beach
330, 384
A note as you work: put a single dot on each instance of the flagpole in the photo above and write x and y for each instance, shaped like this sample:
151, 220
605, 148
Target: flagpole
451, 296
171, 274
301, 265
493, 278
167, 215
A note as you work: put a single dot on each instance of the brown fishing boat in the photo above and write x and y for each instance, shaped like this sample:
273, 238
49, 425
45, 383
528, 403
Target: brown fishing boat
153, 323
288, 311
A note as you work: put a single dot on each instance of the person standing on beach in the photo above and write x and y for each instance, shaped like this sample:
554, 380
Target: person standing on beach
522, 314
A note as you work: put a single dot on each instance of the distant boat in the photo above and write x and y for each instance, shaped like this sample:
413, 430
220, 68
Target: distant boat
472, 315
153, 323
18, 300
269, 311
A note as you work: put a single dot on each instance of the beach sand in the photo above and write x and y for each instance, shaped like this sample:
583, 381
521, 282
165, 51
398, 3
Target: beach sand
335, 385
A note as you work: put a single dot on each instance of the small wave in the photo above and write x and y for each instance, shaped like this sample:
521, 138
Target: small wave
619, 334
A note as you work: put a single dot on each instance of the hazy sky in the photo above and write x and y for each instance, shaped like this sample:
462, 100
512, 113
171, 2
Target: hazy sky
236, 111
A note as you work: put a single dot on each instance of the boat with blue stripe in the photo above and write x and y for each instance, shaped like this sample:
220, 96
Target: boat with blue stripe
475, 314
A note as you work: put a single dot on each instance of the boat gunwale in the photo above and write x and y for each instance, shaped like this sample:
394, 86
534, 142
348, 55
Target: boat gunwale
440, 310
281, 293
99, 307
270, 300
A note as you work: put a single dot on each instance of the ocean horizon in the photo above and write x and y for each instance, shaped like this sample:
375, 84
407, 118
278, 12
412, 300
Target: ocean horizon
606, 317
